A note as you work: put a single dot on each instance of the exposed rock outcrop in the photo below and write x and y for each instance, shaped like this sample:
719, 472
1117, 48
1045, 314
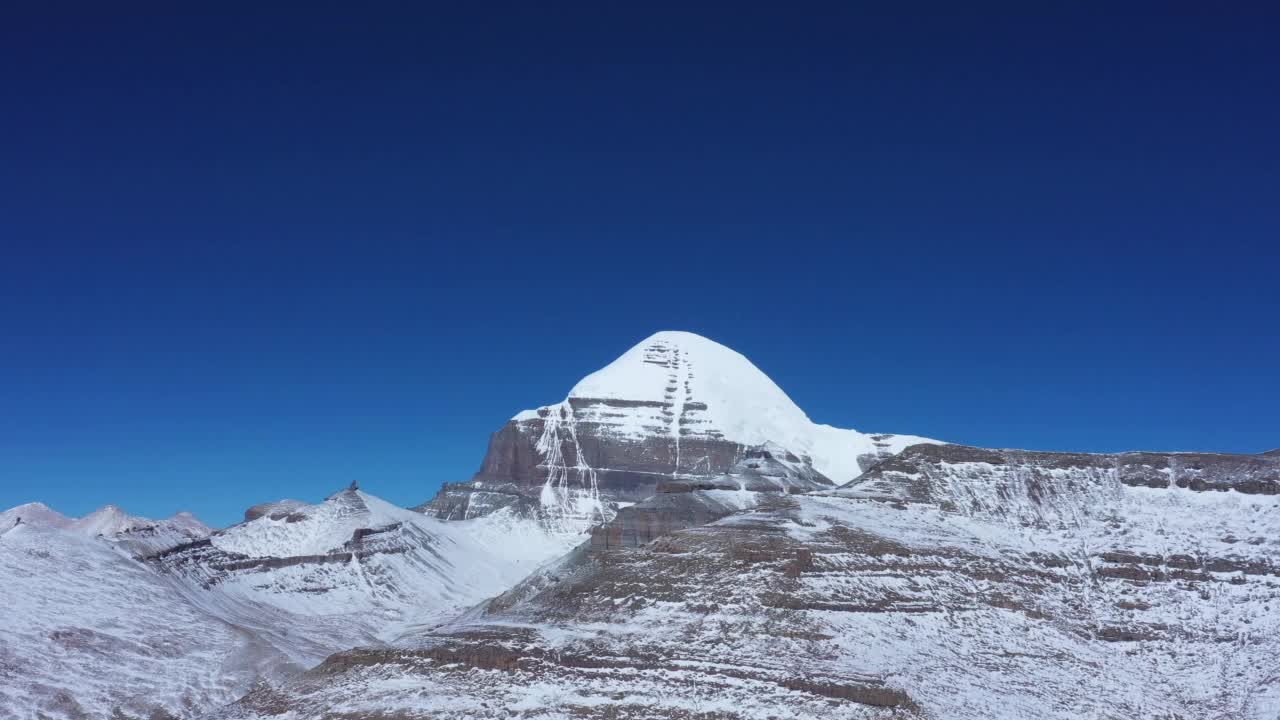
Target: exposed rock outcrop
1030, 484
679, 504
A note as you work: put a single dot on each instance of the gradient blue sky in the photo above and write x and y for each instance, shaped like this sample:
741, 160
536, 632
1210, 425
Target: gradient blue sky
254, 253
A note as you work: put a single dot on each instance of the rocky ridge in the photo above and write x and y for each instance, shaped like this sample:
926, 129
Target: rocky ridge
352, 570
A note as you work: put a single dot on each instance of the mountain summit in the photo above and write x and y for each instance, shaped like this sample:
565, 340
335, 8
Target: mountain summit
674, 406
702, 389
676, 539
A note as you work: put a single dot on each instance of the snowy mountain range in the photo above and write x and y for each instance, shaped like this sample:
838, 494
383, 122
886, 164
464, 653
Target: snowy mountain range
113, 613
675, 539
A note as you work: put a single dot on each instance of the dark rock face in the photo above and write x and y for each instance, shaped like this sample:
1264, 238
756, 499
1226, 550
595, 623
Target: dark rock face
512, 457
680, 504
460, 501
627, 467
675, 507
525, 454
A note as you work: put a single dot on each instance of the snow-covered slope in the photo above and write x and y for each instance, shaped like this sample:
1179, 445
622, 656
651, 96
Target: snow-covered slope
352, 570
148, 538
764, 472
33, 514
947, 583
675, 406
113, 612
90, 632
108, 520
137, 535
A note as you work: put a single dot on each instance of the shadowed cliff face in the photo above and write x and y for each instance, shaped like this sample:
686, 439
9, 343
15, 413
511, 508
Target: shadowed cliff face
572, 456
679, 504
948, 582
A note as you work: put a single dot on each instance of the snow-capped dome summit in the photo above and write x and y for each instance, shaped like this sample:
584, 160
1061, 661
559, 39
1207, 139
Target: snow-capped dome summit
675, 406
681, 368
683, 385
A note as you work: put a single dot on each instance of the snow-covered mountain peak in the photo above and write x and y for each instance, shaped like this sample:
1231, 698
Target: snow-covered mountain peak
33, 513
687, 389
187, 521
109, 520
295, 528
641, 373
741, 401
138, 535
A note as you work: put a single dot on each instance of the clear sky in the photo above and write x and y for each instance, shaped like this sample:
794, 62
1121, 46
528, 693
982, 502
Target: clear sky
256, 253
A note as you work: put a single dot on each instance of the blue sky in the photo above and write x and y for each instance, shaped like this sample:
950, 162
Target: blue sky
256, 254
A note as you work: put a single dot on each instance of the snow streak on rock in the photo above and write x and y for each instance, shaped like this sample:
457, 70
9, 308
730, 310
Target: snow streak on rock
570, 497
